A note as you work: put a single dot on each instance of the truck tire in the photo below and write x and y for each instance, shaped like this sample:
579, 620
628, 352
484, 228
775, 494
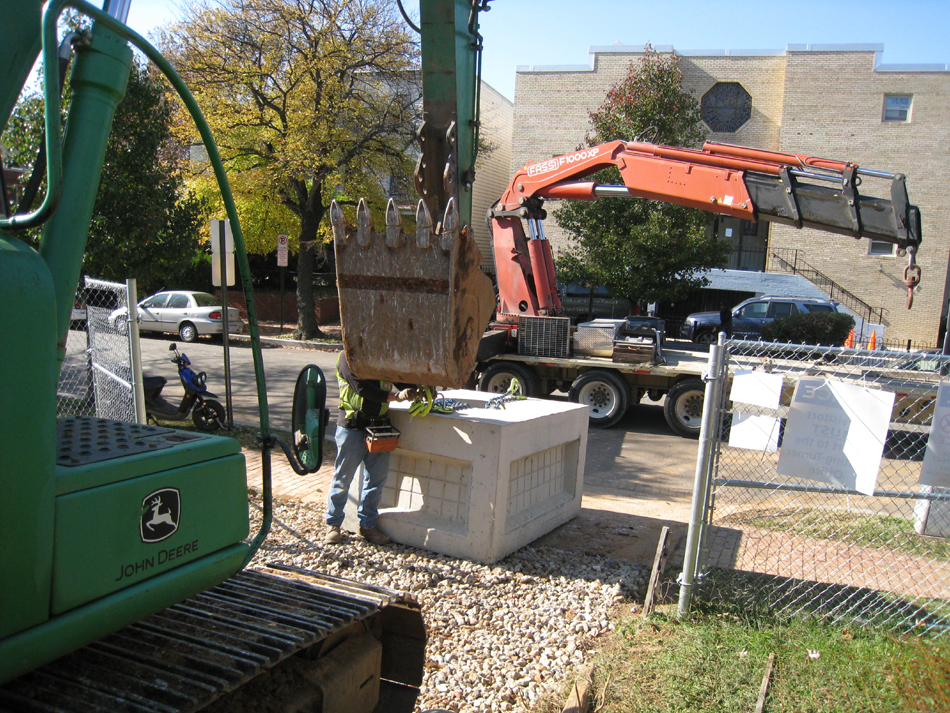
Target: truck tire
707, 337
683, 408
497, 378
604, 393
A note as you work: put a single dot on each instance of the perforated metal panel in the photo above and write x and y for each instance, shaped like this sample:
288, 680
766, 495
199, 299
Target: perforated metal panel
596, 339
544, 336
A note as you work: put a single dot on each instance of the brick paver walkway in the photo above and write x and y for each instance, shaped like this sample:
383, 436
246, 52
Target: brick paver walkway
767, 552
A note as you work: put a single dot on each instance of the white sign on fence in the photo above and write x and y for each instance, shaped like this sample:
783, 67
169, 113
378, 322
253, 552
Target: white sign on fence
754, 431
835, 434
936, 466
757, 388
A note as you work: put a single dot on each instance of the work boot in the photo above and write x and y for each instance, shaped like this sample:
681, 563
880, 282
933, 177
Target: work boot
333, 536
375, 535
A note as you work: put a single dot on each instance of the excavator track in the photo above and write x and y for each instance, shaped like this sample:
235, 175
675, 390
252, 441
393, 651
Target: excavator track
194, 653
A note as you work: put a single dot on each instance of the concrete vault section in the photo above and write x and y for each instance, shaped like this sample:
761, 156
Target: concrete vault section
481, 483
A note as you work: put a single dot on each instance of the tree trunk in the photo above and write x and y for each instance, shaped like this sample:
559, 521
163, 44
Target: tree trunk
307, 327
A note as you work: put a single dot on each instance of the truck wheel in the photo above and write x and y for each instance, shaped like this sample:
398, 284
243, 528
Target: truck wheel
605, 393
706, 338
683, 409
497, 378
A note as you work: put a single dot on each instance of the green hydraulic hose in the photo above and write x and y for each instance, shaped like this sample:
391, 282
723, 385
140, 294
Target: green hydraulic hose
53, 134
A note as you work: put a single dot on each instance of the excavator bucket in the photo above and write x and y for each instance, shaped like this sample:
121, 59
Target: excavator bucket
413, 306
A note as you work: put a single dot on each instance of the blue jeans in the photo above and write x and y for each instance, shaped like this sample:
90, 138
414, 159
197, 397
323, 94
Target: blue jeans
351, 451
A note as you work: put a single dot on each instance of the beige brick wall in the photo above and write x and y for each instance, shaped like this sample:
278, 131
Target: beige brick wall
833, 108
826, 103
492, 167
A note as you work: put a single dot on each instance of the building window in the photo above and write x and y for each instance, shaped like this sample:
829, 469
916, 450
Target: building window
897, 107
726, 107
881, 248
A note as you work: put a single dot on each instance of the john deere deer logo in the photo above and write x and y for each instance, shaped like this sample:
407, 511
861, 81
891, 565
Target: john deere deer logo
160, 513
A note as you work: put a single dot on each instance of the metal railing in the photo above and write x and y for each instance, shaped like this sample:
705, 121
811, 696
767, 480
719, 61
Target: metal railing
789, 260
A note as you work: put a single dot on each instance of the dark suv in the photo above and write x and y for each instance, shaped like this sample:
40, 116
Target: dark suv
749, 317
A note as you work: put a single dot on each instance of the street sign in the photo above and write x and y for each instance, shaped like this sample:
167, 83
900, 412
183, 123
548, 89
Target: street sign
282, 241
216, 236
216, 269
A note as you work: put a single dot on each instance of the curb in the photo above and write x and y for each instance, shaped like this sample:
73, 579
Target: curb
277, 342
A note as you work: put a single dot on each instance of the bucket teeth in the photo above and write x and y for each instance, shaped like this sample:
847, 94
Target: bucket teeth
450, 226
393, 225
364, 224
413, 308
423, 226
337, 222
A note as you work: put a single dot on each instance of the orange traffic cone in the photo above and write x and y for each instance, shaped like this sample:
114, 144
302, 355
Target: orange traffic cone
849, 342
872, 342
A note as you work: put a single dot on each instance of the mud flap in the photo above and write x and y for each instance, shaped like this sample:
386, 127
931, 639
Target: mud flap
413, 306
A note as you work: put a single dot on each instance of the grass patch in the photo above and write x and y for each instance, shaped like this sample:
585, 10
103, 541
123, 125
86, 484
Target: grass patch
879, 531
715, 662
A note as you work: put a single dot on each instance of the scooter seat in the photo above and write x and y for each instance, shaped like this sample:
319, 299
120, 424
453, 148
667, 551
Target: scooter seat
153, 382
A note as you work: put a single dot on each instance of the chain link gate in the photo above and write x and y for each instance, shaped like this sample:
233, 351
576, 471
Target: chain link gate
802, 546
96, 376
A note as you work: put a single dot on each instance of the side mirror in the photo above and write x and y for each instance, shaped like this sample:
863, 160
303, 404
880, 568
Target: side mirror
309, 418
172, 347
308, 422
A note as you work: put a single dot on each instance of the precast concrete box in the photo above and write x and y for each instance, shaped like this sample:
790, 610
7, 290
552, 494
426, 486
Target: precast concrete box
481, 483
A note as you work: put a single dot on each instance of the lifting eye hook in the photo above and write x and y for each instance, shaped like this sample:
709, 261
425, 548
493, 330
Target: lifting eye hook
911, 277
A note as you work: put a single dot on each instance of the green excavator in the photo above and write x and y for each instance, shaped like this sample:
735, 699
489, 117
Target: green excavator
97, 611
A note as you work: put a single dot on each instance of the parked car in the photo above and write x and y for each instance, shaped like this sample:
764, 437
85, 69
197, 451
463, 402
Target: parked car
749, 317
579, 304
185, 312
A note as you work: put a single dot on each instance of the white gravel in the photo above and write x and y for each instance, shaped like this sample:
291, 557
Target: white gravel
499, 637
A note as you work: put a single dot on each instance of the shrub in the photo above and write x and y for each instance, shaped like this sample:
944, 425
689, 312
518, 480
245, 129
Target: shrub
829, 329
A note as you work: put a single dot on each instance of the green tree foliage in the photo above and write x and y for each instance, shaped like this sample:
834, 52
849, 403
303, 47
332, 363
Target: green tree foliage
308, 101
643, 250
144, 224
828, 329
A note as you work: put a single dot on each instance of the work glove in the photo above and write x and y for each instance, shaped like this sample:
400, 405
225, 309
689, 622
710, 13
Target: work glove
405, 395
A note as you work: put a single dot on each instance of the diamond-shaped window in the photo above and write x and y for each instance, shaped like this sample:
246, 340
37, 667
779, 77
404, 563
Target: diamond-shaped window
726, 107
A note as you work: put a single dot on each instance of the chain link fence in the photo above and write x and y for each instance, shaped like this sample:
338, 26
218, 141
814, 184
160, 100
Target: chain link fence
817, 504
95, 379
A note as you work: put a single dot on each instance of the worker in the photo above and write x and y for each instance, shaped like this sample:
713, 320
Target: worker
725, 319
363, 402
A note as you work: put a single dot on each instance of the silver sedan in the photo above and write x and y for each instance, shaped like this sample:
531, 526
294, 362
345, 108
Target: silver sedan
185, 312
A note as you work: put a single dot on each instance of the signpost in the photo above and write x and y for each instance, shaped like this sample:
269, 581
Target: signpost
222, 275
282, 242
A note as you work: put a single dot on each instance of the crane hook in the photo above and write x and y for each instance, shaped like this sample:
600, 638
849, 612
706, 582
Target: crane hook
911, 276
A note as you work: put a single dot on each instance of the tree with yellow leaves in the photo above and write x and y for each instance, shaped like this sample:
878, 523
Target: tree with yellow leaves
308, 100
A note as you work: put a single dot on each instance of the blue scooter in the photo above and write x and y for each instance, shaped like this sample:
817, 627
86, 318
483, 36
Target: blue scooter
207, 413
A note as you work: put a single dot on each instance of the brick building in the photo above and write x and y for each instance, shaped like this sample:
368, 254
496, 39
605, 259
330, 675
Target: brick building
834, 101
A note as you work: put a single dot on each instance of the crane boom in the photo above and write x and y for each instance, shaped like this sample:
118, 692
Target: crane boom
736, 181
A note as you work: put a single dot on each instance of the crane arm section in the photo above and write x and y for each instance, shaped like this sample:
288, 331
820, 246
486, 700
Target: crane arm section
736, 181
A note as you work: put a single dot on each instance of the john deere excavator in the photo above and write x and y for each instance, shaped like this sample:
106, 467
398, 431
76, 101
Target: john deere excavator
124, 545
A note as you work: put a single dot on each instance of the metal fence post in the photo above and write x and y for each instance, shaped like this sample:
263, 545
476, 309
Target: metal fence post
707, 433
135, 351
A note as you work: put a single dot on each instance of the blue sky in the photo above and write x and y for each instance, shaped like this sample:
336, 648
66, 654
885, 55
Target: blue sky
546, 32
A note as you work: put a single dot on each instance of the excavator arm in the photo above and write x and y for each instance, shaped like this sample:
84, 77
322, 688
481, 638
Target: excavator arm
736, 181
414, 305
